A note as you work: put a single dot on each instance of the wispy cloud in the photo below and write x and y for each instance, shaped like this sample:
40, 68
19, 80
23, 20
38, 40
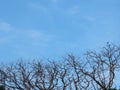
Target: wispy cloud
74, 10
4, 40
39, 7
5, 27
37, 35
54, 1
9, 33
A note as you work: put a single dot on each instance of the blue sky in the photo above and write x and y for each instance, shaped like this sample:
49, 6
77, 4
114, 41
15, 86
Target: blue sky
51, 28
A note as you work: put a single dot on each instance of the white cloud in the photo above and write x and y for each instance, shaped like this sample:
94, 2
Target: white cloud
6, 27
39, 7
54, 1
3, 40
90, 18
6, 35
37, 35
74, 10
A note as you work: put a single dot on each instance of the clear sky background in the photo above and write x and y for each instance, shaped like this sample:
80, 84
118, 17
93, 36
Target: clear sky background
51, 28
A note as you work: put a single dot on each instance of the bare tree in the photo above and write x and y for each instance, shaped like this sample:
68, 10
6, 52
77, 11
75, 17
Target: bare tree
31, 76
79, 80
46, 76
3, 77
19, 76
95, 71
65, 76
101, 67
